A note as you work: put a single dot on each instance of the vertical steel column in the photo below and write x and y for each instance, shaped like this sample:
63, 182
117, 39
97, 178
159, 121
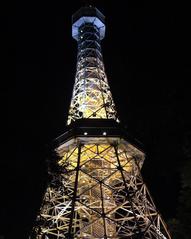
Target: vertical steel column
70, 236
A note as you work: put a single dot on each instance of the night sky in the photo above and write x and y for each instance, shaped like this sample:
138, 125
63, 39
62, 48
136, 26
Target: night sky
147, 59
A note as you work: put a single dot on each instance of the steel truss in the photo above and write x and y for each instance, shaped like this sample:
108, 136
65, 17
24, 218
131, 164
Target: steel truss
98, 192
91, 96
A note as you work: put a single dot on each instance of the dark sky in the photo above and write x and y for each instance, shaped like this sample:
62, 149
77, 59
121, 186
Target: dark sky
147, 59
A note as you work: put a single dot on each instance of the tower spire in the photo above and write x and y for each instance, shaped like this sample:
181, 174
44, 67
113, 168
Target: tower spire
91, 96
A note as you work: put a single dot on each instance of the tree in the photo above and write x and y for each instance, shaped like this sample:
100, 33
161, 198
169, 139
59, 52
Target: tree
181, 225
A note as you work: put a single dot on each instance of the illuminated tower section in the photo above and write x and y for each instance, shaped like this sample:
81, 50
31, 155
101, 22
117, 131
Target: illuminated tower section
95, 190
91, 94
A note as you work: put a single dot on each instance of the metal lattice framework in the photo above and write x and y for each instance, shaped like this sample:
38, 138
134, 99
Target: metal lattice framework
96, 189
91, 96
98, 192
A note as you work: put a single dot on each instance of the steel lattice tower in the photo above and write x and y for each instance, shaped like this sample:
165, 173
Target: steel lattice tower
96, 189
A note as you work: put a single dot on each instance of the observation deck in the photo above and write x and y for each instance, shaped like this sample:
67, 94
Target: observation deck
88, 15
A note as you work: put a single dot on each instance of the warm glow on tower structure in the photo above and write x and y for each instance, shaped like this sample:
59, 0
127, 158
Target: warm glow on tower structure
96, 190
91, 96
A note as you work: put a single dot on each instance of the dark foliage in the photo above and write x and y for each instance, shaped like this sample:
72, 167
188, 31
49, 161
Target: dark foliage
181, 225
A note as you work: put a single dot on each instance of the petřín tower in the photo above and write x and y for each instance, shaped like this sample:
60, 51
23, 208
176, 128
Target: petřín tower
96, 189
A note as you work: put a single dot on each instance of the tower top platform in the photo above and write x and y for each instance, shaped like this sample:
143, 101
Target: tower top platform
88, 15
